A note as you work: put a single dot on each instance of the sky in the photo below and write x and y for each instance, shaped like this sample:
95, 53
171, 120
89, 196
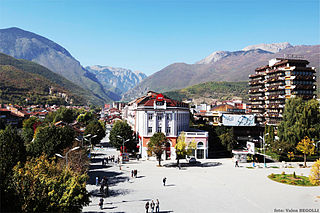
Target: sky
148, 35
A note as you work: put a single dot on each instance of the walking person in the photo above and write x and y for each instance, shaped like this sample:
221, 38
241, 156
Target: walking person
147, 207
152, 206
237, 163
164, 181
97, 181
157, 205
101, 203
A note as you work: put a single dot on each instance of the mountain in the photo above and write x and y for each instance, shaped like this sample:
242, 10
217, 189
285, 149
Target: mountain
274, 48
221, 66
116, 80
30, 46
206, 92
22, 80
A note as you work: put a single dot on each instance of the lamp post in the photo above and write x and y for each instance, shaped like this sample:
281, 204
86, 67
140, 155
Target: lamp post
264, 149
66, 157
123, 141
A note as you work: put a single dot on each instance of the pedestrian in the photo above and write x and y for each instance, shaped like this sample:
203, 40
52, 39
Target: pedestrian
135, 173
102, 161
132, 173
237, 163
106, 192
157, 205
101, 203
147, 207
152, 206
164, 181
107, 160
97, 181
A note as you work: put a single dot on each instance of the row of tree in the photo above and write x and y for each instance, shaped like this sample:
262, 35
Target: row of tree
33, 177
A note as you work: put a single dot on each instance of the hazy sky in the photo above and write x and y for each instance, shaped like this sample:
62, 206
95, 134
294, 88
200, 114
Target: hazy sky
148, 35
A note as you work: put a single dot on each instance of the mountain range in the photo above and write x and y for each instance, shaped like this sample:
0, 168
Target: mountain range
222, 66
117, 80
108, 85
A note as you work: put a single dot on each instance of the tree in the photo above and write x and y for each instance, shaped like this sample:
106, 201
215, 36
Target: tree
12, 151
51, 140
43, 186
182, 148
28, 128
300, 119
62, 114
156, 145
227, 139
95, 128
124, 131
306, 147
314, 176
85, 118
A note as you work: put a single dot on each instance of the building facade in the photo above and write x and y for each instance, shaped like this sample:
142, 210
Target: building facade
271, 85
156, 113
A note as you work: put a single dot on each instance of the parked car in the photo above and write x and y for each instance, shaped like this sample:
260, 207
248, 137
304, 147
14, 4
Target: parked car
192, 160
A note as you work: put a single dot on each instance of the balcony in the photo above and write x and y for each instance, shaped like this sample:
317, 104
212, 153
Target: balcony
275, 96
254, 98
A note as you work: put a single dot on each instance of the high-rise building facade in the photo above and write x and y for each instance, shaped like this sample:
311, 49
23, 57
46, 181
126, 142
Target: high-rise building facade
271, 85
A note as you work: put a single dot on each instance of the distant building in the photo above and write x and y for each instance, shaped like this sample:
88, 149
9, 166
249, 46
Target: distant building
156, 113
272, 84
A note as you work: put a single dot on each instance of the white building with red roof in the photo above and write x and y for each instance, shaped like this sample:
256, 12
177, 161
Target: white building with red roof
157, 113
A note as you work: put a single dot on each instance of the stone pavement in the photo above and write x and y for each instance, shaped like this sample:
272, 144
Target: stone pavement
213, 186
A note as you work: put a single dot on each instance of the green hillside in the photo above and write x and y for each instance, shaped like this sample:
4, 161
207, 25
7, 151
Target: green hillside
212, 90
17, 87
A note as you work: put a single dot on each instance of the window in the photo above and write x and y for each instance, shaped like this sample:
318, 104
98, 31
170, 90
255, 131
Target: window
159, 103
159, 116
149, 129
159, 129
169, 116
168, 130
150, 116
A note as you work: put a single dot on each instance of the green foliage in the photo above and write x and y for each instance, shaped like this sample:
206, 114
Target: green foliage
66, 115
95, 128
12, 151
122, 129
227, 139
300, 119
156, 145
43, 186
214, 90
28, 129
51, 140
291, 179
85, 118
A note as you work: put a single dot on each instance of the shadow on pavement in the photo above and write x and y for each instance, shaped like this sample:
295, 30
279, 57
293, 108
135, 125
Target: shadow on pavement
170, 185
94, 167
112, 177
196, 164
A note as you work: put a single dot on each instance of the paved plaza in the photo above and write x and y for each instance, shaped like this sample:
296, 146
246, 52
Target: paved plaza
213, 186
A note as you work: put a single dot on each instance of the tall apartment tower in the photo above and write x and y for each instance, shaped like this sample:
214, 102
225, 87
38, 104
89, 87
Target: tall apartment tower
276, 82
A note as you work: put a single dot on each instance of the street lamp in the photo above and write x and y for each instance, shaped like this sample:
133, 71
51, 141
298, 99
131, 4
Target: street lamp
66, 157
264, 149
118, 136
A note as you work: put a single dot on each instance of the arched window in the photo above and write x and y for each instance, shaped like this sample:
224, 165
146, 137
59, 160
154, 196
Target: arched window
200, 145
